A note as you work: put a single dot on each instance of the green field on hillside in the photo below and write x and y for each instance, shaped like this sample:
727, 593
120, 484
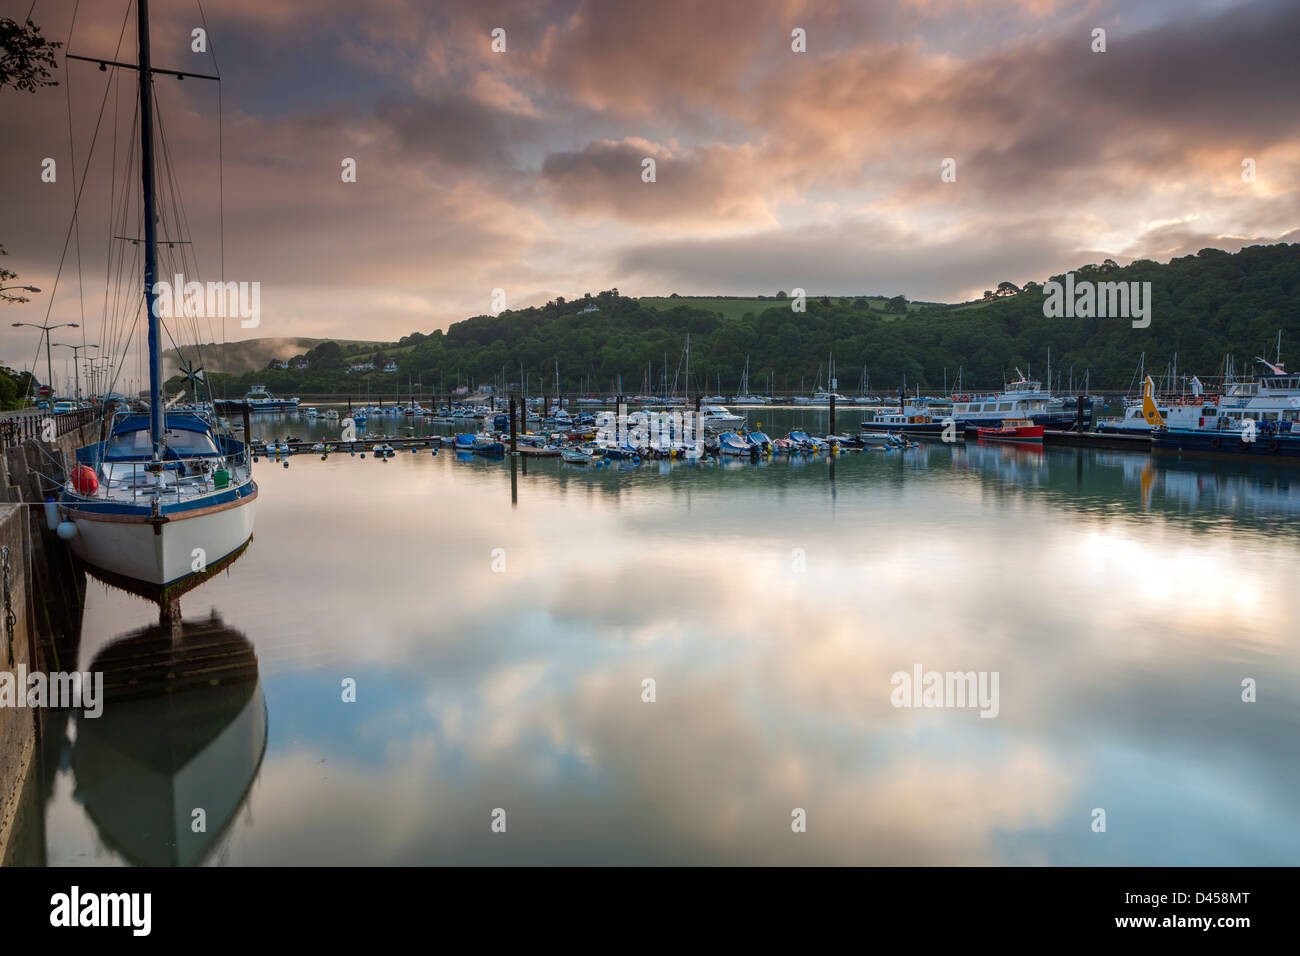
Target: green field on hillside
735, 307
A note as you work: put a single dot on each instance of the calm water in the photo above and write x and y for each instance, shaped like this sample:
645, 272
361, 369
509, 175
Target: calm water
1122, 601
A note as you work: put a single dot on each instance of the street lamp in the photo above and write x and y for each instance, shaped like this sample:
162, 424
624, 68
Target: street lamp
45, 330
25, 288
76, 356
99, 370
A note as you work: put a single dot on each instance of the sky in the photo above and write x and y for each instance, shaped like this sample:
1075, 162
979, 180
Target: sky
522, 170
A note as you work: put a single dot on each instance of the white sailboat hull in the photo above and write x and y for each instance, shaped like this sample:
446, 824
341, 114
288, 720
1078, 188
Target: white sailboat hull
131, 548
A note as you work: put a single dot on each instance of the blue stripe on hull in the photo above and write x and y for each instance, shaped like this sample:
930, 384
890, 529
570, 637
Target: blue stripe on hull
74, 502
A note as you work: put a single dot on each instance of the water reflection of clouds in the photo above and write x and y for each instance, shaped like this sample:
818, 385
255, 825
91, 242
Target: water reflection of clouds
1120, 643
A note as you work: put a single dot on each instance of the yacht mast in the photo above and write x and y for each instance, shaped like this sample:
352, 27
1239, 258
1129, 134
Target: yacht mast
156, 420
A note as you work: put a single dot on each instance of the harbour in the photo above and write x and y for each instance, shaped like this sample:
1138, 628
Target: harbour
607, 436
458, 695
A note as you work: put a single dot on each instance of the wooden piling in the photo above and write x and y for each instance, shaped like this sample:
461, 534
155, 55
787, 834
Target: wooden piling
514, 448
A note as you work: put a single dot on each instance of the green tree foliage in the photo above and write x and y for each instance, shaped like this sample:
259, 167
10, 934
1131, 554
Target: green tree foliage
1204, 307
26, 57
14, 388
8, 276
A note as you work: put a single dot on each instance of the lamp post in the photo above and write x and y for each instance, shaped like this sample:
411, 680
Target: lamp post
76, 356
104, 364
45, 330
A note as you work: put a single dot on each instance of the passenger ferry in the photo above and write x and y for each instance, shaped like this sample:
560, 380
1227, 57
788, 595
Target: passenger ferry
1259, 419
1021, 399
1176, 414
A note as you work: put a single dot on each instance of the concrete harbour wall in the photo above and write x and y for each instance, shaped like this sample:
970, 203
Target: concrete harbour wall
45, 594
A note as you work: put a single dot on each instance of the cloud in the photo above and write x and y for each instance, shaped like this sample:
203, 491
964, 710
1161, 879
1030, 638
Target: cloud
522, 170
691, 186
849, 258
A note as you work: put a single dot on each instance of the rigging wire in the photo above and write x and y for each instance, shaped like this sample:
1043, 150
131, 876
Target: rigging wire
72, 155
76, 201
221, 165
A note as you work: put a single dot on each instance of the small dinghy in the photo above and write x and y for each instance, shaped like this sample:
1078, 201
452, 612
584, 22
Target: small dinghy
807, 443
729, 443
620, 452
480, 444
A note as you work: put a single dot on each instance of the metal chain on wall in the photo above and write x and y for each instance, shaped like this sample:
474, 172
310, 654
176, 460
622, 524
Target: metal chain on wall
10, 618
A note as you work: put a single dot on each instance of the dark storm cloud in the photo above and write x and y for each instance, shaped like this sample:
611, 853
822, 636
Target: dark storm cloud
455, 129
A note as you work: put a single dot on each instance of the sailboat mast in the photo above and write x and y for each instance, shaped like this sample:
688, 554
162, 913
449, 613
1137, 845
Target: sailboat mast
156, 420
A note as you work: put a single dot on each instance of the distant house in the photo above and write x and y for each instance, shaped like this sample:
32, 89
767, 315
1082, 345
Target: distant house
301, 364
362, 367
391, 366
592, 308
277, 364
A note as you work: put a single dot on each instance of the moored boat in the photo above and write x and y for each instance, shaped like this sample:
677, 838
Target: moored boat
1257, 419
257, 399
138, 507
480, 444
912, 420
804, 442
1018, 400
730, 443
1013, 429
167, 493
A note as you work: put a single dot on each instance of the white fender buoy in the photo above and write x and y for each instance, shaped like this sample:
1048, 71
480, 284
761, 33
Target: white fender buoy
66, 530
51, 513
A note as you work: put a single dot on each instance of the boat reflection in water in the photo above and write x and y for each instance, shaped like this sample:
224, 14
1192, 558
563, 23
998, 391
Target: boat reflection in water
183, 730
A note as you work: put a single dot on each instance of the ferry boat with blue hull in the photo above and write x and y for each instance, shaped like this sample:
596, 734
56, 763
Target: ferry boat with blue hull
1257, 419
168, 493
1270, 442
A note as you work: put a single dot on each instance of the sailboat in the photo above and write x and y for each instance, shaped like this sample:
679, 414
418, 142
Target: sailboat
863, 398
744, 398
166, 493
821, 397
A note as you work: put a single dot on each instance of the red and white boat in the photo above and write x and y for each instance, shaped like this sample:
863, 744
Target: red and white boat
1014, 429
